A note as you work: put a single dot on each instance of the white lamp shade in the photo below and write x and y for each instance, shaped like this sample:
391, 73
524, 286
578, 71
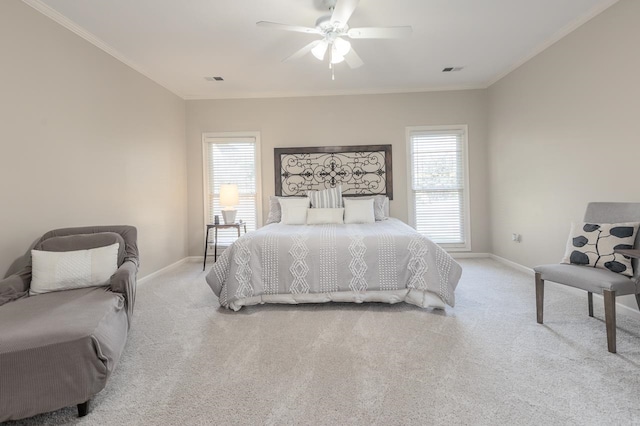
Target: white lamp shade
320, 49
229, 195
342, 46
336, 57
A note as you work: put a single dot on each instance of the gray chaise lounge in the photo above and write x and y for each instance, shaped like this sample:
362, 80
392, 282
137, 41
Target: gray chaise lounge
58, 349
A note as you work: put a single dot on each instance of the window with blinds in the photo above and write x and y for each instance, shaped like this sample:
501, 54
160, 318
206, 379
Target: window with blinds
232, 160
438, 190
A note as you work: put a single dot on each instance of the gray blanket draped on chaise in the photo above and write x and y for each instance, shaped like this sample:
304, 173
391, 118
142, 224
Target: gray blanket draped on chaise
58, 349
385, 261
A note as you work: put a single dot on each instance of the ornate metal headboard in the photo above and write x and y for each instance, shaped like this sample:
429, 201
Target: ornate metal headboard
360, 169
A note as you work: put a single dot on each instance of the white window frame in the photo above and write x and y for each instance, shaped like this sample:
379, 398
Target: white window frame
206, 139
466, 246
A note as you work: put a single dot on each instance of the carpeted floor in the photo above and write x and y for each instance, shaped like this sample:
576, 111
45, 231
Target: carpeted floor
487, 361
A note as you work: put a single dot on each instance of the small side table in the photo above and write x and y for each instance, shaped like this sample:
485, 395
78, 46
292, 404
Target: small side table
215, 238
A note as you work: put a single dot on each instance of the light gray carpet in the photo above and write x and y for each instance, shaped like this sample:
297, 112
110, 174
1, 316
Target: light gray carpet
486, 361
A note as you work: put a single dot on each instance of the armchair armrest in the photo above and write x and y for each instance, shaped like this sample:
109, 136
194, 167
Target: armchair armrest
15, 286
124, 281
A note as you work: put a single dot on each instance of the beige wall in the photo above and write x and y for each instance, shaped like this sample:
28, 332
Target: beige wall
341, 120
563, 133
85, 140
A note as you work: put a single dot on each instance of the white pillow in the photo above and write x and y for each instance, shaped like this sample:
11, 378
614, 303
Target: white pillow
275, 211
322, 216
358, 211
380, 206
66, 270
294, 210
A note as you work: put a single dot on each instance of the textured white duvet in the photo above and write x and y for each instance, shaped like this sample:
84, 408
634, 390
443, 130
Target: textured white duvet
385, 261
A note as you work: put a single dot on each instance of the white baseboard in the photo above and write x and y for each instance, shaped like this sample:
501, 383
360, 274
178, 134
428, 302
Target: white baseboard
623, 309
162, 271
468, 255
514, 265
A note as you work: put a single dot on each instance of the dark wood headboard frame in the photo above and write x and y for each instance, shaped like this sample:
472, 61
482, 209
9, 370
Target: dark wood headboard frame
374, 178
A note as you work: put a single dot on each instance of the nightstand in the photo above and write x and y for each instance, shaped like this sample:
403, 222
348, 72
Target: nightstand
215, 238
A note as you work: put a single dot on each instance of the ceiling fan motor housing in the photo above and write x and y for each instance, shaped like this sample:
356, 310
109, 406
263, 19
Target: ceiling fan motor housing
325, 25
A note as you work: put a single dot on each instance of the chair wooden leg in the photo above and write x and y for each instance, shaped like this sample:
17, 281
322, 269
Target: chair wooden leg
539, 296
83, 409
610, 318
590, 297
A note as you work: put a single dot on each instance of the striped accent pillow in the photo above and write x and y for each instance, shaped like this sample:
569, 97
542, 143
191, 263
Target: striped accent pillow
327, 198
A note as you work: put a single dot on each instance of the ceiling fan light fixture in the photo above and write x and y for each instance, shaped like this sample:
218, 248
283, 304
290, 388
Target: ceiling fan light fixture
320, 50
336, 57
333, 30
341, 46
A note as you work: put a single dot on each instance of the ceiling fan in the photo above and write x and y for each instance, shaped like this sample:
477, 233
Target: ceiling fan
333, 29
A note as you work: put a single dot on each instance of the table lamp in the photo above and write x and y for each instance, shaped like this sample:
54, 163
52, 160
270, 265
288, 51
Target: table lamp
229, 198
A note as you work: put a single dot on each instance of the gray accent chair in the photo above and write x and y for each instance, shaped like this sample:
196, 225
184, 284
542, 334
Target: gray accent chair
594, 280
58, 349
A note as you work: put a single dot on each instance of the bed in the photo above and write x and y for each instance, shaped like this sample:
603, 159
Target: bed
386, 261
379, 261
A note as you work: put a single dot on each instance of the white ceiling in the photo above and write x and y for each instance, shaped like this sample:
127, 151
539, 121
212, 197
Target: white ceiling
178, 42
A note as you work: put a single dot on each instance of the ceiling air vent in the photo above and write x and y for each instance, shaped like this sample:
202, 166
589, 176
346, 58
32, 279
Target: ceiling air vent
452, 69
214, 78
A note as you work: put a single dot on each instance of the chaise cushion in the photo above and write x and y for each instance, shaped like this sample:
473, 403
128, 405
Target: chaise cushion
84, 242
587, 278
58, 349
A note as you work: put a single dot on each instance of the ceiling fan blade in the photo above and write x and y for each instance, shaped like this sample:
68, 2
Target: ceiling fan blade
380, 32
343, 11
300, 53
287, 27
352, 59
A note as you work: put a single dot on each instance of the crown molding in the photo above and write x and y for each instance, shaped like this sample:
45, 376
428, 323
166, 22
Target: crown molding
56, 16
406, 90
563, 32
96, 41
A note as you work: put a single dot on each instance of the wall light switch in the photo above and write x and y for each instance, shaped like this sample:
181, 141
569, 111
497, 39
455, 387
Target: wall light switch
515, 237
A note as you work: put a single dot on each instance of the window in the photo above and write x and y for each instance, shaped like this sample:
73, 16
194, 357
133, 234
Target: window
438, 189
232, 158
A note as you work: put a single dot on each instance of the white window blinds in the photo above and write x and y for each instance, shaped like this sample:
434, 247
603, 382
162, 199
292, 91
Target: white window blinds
231, 160
438, 192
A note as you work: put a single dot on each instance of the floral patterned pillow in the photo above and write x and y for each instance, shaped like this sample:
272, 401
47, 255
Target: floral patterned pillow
593, 244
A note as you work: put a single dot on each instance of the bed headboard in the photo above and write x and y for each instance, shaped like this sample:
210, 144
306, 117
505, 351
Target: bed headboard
360, 169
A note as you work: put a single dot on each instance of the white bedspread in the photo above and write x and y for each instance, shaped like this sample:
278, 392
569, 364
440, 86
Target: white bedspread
387, 261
